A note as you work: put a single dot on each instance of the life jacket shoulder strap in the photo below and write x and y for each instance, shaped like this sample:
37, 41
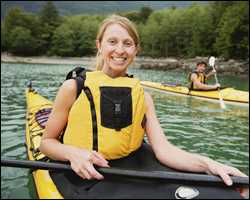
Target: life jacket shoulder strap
79, 74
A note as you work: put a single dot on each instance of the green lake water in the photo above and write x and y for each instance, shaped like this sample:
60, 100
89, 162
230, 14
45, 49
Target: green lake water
191, 124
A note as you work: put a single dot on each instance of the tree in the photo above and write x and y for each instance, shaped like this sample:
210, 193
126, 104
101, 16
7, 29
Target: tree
134, 16
201, 31
17, 18
49, 14
62, 41
75, 37
233, 32
145, 12
12, 19
150, 38
3, 37
49, 20
23, 43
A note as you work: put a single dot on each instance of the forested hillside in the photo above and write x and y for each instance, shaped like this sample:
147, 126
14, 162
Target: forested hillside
92, 7
218, 28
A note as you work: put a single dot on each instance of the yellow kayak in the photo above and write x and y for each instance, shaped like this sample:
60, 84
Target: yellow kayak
229, 95
38, 106
113, 186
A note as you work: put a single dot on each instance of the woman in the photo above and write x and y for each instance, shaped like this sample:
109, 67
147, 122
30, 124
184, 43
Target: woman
117, 43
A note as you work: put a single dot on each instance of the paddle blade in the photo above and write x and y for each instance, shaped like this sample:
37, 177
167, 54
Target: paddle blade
222, 104
211, 61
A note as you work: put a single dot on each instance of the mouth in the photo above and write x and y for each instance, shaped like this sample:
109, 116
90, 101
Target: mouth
119, 60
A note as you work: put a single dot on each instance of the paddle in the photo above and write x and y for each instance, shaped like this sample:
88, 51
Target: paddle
211, 63
164, 175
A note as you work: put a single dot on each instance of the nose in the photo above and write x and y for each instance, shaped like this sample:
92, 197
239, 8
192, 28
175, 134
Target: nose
119, 48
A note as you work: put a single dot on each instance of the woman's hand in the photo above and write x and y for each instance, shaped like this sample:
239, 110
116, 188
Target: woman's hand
224, 171
82, 161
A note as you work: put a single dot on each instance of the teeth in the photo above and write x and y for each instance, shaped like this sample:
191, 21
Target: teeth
118, 59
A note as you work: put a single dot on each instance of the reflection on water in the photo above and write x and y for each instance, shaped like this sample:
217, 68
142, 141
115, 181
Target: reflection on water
192, 124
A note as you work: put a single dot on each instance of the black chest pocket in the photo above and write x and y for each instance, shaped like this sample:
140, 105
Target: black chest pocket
116, 107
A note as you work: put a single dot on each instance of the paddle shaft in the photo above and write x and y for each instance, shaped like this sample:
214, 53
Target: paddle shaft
220, 97
164, 175
216, 80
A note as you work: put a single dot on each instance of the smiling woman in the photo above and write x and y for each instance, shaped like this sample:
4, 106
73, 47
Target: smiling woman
118, 46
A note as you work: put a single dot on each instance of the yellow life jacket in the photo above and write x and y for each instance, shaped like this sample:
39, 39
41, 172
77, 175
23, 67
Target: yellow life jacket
200, 76
107, 116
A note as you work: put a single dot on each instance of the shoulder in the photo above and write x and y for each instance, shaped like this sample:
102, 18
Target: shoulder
67, 93
68, 86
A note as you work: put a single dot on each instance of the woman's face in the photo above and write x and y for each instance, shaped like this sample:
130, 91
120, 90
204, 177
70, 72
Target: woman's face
117, 48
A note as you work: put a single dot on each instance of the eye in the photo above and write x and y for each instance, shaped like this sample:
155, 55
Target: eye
128, 43
112, 41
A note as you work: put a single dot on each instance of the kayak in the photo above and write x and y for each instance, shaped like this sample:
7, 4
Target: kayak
38, 106
229, 95
52, 184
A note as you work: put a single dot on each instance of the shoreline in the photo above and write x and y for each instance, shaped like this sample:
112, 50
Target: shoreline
231, 66
7, 58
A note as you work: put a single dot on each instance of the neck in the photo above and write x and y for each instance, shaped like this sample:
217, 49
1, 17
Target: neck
113, 74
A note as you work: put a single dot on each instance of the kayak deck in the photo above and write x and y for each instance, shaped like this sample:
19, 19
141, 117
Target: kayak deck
229, 95
62, 184
117, 186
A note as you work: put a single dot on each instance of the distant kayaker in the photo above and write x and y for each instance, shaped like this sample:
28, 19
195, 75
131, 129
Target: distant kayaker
198, 78
113, 112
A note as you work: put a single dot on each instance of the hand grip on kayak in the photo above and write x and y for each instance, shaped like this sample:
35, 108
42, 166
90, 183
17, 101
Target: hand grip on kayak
170, 176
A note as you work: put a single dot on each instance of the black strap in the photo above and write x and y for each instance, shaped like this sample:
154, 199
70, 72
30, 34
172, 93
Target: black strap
94, 120
80, 84
79, 74
80, 80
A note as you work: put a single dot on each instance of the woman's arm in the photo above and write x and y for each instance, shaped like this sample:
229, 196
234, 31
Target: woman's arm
81, 160
57, 121
176, 158
166, 152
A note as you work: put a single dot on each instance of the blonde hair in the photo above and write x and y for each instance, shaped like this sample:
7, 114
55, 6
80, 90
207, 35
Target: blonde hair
125, 23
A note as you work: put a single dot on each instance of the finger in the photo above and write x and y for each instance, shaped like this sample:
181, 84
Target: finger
79, 172
235, 172
226, 178
98, 155
81, 175
93, 172
85, 173
99, 160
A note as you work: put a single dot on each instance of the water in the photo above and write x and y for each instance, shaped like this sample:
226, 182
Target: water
194, 125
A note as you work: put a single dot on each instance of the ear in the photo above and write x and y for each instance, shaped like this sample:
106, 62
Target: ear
136, 51
98, 45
